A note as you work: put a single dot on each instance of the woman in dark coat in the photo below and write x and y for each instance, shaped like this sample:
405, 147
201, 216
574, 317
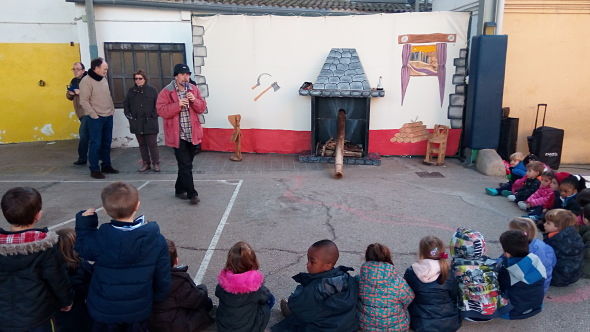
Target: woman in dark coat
140, 109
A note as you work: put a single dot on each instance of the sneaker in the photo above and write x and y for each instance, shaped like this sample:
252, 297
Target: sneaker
511, 198
80, 162
506, 193
109, 170
156, 167
97, 175
194, 200
522, 205
491, 192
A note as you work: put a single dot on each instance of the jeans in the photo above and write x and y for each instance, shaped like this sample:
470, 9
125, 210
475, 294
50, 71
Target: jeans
101, 135
148, 147
84, 137
184, 157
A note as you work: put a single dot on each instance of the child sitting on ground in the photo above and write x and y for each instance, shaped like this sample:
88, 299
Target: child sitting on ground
540, 199
545, 253
517, 171
435, 306
479, 291
244, 302
584, 231
384, 295
568, 190
131, 262
531, 184
521, 276
568, 245
326, 298
80, 272
187, 306
34, 283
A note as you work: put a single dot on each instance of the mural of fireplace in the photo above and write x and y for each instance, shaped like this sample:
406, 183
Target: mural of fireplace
341, 85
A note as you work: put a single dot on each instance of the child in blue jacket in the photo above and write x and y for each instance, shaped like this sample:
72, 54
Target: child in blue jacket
517, 171
521, 276
326, 298
131, 262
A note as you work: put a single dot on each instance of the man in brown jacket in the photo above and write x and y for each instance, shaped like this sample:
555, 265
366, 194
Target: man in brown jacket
96, 101
73, 94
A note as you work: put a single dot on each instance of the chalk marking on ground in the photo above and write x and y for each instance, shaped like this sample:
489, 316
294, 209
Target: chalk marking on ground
97, 210
207, 258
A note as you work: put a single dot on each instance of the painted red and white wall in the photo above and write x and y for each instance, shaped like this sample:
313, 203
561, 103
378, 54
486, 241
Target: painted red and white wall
293, 50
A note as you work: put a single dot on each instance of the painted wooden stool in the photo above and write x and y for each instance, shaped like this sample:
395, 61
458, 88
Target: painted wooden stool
437, 145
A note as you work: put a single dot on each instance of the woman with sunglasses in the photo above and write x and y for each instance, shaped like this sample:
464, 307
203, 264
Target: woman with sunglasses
140, 109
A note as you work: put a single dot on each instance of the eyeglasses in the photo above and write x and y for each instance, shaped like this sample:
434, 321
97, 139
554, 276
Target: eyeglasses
138, 78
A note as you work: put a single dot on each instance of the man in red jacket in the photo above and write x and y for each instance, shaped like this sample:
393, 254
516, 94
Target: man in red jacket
179, 104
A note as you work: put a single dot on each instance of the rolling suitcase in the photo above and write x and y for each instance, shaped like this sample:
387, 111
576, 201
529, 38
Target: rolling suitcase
546, 142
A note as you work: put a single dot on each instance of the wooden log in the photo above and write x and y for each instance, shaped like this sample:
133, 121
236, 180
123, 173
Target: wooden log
339, 158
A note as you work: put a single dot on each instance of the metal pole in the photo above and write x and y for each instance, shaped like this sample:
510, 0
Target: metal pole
480, 17
417, 5
92, 44
499, 16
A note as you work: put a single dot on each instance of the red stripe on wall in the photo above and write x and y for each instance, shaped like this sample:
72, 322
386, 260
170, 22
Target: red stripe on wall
291, 141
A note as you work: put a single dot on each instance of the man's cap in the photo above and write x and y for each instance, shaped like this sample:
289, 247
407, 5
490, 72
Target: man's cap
181, 69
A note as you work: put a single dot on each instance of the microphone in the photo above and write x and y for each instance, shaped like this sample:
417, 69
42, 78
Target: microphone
186, 86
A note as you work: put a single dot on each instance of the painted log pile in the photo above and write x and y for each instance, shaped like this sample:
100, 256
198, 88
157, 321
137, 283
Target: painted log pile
411, 133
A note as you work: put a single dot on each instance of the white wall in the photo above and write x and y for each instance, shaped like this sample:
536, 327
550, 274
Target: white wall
471, 6
130, 24
293, 50
39, 21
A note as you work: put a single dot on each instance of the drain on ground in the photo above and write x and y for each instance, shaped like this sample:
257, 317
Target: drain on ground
430, 175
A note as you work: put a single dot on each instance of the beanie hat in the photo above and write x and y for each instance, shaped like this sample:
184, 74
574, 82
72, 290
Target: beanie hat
560, 176
181, 69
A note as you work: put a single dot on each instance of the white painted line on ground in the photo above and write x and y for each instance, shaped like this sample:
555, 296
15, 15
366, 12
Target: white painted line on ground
109, 181
216, 236
97, 210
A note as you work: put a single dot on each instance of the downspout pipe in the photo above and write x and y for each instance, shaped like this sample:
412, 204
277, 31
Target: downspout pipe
92, 44
499, 16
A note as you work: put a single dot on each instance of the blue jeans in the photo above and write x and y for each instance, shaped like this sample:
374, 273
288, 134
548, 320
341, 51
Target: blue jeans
84, 137
99, 148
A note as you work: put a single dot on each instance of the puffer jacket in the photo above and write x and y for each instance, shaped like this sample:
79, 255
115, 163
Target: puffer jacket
34, 283
547, 256
521, 281
244, 302
140, 109
186, 309
529, 188
168, 109
323, 302
435, 307
584, 231
384, 296
131, 268
540, 197
569, 250
479, 289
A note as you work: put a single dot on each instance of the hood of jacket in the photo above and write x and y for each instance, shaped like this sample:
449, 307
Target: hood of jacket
330, 282
528, 269
128, 242
240, 283
468, 244
9, 249
378, 274
427, 270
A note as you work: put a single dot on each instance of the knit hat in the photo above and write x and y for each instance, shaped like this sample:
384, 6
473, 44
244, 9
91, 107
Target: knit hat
560, 176
181, 69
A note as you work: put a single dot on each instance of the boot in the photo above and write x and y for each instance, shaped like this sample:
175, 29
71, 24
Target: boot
156, 167
144, 167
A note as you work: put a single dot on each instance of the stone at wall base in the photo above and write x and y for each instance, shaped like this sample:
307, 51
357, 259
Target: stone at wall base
489, 162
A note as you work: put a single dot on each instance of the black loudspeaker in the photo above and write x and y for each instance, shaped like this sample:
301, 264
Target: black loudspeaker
546, 144
485, 90
508, 137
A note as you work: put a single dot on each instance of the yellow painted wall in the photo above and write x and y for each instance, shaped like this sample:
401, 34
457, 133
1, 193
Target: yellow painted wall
547, 63
30, 112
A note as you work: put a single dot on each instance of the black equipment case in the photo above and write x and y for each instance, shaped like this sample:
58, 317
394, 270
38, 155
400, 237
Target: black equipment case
546, 142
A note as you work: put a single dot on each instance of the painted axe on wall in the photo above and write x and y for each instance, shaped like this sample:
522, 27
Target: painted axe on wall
274, 85
258, 80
